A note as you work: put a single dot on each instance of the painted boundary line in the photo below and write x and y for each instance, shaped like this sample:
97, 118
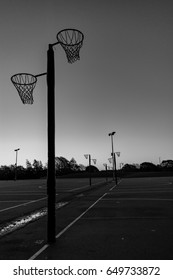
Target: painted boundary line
114, 186
66, 228
23, 204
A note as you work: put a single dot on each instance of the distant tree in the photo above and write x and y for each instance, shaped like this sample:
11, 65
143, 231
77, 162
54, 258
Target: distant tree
38, 168
62, 166
37, 165
92, 169
129, 167
21, 172
137, 165
29, 172
61, 163
28, 164
167, 164
148, 166
82, 167
35, 170
73, 165
7, 172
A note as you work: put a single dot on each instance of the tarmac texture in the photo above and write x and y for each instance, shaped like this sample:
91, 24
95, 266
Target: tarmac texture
130, 221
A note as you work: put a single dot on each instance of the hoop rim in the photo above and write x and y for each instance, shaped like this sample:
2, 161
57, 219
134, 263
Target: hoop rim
18, 74
70, 29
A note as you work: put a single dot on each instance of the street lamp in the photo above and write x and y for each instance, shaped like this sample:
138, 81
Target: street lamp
71, 41
16, 150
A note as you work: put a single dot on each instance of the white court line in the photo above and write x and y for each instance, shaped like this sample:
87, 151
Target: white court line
20, 192
115, 186
24, 193
7, 201
23, 204
66, 228
12, 207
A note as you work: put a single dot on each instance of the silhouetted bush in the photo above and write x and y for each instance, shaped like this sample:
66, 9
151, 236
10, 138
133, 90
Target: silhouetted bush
92, 169
148, 166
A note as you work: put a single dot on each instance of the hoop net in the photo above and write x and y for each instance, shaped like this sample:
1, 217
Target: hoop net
25, 84
71, 40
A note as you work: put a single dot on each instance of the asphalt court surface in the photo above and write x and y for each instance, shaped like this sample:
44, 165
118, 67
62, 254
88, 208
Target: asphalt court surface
130, 221
133, 220
22, 196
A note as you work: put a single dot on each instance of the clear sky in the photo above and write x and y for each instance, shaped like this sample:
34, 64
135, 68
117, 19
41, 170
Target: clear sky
123, 81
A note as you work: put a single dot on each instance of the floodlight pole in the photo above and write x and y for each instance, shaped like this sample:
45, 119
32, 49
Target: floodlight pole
16, 150
90, 169
115, 165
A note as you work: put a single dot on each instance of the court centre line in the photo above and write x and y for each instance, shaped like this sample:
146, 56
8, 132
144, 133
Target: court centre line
67, 227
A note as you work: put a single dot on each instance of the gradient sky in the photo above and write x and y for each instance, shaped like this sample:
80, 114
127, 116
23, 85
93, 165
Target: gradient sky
123, 81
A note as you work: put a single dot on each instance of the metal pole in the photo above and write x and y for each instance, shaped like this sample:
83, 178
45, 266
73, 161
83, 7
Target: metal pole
16, 167
51, 181
90, 169
106, 167
39, 75
115, 169
16, 157
16, 164
113, 162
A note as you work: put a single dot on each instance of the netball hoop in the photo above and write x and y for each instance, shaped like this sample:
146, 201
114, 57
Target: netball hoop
71, 40
25, 84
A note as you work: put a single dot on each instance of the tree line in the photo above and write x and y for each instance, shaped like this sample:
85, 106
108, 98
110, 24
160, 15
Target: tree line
65, 167
31, 171
37, 170
165, 165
